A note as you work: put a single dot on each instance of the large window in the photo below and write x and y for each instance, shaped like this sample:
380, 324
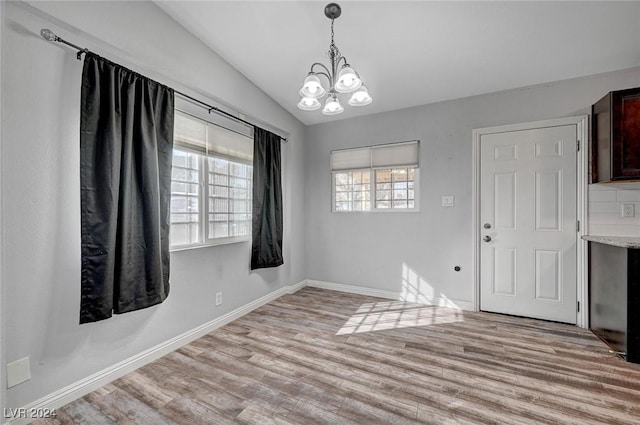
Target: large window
376, 178
210, 184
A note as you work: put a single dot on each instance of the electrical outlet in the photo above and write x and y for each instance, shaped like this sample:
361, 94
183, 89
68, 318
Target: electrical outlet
218, 298
628, 210
18, 372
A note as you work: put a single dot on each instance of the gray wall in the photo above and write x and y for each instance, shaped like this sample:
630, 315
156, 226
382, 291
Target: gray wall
389, 251
40, 191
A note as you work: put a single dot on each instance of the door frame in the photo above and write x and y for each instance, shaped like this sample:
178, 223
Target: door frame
582, 171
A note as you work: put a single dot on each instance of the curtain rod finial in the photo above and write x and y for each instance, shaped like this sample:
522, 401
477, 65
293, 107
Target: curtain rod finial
47, 34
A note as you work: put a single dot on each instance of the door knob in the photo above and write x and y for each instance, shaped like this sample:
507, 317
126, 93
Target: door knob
487, 238
487, 226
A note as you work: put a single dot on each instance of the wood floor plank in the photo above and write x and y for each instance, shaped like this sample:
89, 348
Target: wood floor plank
127, 409
185, 410
83, 412
324, 357
145, 389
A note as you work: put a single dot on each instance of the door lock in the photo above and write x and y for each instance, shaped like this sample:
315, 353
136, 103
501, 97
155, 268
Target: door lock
487, 226
487, 238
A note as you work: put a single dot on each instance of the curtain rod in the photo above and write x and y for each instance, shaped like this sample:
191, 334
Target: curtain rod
47, 34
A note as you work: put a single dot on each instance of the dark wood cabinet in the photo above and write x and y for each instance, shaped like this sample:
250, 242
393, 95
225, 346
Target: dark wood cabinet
615, 137
614, 297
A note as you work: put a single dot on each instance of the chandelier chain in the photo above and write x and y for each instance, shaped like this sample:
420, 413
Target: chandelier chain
332, 43
334, 52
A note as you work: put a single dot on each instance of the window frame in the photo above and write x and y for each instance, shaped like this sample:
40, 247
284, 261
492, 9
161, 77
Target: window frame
200, 197
203, 214
203, 195
372, 191
334, 191
403, 155
225, 239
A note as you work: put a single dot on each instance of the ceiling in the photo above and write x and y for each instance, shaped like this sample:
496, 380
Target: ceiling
415, 53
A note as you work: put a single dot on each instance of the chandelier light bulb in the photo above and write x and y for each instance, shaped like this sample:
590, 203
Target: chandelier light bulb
360, 97
309, 104
348, 80
332, 106
312, 87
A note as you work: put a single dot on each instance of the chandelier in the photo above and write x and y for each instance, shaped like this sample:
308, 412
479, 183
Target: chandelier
343, 80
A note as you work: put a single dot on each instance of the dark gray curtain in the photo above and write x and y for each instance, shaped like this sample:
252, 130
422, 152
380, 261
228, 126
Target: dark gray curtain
126, 143
266, 246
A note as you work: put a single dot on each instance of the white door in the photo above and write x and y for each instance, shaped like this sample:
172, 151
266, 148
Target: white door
528, 223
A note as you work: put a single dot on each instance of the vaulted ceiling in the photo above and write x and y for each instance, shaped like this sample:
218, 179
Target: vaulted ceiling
417, 52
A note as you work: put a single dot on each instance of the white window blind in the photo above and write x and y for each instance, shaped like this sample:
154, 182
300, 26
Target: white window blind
229, 143
403, 154
350, 159
396, 155
199, 136
189, 133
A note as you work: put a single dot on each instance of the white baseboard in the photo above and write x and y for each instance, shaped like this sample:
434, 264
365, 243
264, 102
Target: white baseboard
83, 387
292, 289
351, 289
399, 296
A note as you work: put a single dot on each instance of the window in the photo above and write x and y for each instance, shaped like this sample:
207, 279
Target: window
211, 184
395, 188
376, 178
353, 190
185, 196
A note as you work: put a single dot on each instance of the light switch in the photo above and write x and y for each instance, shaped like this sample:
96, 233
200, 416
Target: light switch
447, 201
18, 372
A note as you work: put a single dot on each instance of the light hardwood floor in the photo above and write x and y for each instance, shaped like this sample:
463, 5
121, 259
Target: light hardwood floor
323, 357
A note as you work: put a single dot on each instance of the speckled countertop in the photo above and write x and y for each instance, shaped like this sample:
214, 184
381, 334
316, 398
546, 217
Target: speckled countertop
621, 241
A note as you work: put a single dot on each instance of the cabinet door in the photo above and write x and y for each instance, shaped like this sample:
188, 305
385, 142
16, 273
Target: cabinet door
608, 294
626, 134
601, 140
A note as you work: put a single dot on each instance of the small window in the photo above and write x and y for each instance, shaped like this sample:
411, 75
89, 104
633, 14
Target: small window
395, 188
376, 178
211, 184
353, 190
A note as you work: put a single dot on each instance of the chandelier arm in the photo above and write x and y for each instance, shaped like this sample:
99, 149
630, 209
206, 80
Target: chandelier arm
321, 65
342, 58
326, 74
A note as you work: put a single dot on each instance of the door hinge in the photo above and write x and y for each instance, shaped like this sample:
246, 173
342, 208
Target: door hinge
578, 146
578, 306
578, 226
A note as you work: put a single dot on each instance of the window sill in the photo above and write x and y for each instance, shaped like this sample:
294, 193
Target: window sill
381, 210
217, 242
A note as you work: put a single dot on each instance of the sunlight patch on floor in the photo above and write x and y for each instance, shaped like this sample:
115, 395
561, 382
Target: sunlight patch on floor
420, 305
386, 315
